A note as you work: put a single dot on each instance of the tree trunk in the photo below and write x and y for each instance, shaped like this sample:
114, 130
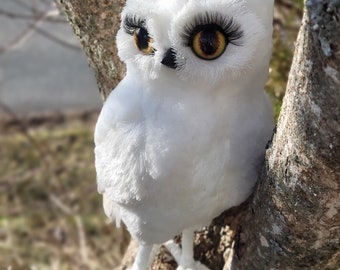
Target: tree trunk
292, 221
95, 22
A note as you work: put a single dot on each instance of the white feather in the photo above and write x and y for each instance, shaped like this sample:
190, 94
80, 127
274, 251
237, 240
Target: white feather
175, 148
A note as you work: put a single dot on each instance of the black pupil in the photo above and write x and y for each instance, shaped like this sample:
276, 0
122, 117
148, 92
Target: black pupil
209, 41
142, 39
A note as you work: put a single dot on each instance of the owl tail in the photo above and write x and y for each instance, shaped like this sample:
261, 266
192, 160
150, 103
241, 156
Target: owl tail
111, 210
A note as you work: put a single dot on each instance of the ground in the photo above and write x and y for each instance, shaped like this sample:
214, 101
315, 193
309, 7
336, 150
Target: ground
51, 211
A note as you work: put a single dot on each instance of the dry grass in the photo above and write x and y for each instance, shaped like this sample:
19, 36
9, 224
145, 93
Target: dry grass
51, 213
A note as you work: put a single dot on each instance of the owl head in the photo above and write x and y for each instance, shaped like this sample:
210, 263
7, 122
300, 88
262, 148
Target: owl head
201, 41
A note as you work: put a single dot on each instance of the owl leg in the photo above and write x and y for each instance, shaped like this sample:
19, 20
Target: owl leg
185, 256
143, 259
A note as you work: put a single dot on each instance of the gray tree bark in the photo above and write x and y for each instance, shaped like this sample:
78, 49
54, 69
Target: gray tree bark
95, 22
292, 220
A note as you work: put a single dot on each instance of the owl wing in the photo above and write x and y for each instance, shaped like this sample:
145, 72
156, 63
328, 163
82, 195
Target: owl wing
119, 139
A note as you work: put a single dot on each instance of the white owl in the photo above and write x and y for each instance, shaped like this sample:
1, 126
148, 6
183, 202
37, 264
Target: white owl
182, 136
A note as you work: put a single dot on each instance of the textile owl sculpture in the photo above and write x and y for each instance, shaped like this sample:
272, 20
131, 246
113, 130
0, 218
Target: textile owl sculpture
181, 138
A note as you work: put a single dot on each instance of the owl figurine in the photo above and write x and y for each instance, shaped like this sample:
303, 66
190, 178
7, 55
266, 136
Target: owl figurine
182, 137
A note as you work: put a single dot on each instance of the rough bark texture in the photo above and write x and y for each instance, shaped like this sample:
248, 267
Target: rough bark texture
292, 221
95, 22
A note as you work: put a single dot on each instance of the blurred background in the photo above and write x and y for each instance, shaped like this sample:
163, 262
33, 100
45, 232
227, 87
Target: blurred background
51, 215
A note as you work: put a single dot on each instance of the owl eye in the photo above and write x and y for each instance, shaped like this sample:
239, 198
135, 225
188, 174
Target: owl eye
208, 42
136, 27
143, 41
209, 34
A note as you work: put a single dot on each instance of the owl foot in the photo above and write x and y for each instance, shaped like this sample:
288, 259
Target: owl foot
196, 266
144, 258
185, 256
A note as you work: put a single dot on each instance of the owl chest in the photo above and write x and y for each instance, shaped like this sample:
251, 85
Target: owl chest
171, 151
170, 140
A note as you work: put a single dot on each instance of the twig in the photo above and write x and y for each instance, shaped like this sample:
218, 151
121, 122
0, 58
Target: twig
82, 239
9, 238
23, 4
79, 224
55, 265
20, 39
57, 40
63, 207
43, 150
29, 17
22, 124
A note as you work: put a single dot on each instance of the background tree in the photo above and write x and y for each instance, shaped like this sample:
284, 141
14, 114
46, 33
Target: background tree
292, 221
33, 14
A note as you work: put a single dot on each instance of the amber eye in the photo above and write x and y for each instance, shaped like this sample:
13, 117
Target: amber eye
143, 41
208, 42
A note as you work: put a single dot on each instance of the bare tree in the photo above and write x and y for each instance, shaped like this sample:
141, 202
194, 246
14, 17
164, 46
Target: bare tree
292, 221
34, 14
95, 23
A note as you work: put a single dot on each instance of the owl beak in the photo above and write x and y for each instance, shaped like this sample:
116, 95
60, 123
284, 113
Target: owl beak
169, 59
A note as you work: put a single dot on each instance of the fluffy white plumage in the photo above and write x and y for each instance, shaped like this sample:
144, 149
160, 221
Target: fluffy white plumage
181, 137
